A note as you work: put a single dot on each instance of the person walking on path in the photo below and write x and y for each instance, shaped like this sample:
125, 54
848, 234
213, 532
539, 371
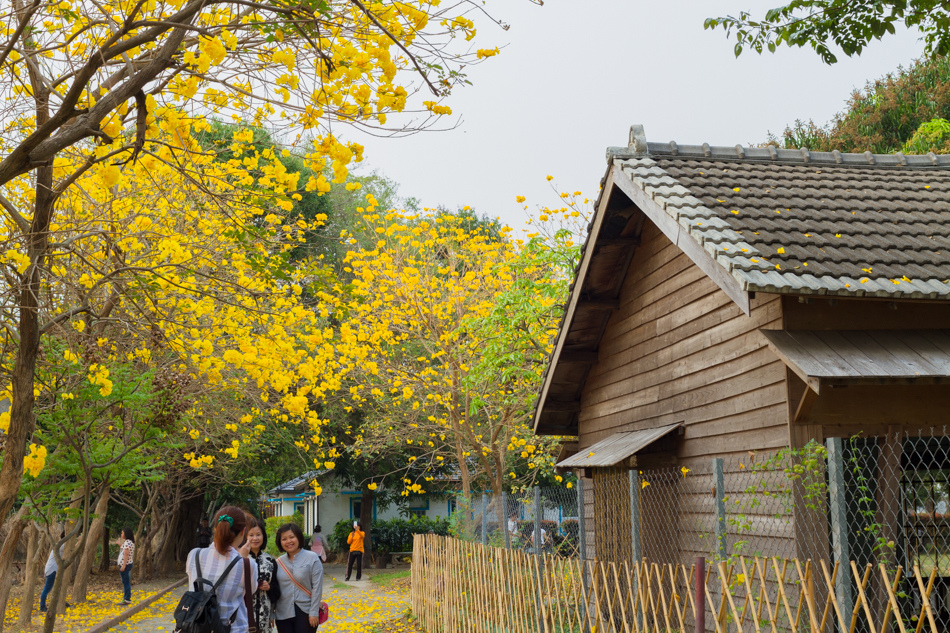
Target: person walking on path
355, 541
268, 590
126, 554
205, 534
320, 546
300, 577
224, 560
50, 571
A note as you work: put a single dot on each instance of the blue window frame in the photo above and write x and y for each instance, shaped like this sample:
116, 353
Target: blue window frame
356, 504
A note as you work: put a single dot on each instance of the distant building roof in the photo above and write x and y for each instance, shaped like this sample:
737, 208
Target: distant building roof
297, 483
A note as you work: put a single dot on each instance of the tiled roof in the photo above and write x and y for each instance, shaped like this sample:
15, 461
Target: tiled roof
793, 221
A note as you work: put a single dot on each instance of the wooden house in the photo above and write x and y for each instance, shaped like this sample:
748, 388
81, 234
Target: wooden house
733, 300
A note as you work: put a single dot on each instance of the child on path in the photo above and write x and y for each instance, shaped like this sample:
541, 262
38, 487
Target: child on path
355, 540
300, 577
126, 552
230, 528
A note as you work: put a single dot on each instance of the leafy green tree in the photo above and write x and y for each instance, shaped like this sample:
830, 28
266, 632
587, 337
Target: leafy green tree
886, 115
850, 25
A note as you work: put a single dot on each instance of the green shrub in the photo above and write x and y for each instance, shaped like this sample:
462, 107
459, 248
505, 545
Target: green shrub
394, 535
337, 539
932, 136
272, 523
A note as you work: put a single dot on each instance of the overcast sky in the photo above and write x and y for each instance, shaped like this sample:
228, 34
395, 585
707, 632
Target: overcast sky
574, 76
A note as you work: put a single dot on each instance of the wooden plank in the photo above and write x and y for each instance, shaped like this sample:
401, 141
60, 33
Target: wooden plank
795, 356
886, 363
832, 363
923, 345
713, 269
904, 355
856, 357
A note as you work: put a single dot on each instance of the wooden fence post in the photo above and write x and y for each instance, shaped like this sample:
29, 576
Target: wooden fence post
837, 505
699, 587
720, 494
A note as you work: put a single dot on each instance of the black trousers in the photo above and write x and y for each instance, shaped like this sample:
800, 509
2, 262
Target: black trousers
356, 557
300, 623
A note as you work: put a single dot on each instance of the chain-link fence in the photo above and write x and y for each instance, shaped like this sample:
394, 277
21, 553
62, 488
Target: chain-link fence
537, 520
864, 508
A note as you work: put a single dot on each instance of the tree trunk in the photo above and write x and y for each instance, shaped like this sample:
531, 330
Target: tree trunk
84, 568
105, 560
24, 367
17, 525
366, 518
35, 560
55, 602
67, 569
165, 554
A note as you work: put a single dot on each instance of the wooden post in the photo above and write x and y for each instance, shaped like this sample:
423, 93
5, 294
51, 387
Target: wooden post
720, 494
839, 523
582, 542
484, 518
699, 589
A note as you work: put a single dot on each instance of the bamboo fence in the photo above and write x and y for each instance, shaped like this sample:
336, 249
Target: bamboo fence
463, 587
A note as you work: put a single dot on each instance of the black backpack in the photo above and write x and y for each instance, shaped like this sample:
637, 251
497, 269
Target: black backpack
198, 611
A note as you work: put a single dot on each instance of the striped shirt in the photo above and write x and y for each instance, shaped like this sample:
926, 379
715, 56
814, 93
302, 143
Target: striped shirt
231, 591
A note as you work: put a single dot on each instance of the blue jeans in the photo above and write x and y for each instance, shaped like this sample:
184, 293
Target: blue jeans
127, 583
46, 589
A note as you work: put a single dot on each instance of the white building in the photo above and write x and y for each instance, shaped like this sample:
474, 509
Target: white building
338, 502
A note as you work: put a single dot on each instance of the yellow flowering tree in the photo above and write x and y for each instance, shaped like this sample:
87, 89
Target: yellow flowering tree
102, 97
444, 330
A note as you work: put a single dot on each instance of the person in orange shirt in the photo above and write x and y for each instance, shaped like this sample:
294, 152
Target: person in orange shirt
355, 541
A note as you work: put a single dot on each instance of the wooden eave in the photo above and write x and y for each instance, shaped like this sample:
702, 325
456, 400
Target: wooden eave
613, 237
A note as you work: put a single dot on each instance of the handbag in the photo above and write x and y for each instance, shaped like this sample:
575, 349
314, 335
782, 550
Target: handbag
324, 612
249, 599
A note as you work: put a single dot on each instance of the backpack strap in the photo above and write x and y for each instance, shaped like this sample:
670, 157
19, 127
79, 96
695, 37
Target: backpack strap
226, 571
200, 579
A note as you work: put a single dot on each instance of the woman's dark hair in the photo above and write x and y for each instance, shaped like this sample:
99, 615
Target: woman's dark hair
254, 522
289, 527
319, 528
127, 534
225, 531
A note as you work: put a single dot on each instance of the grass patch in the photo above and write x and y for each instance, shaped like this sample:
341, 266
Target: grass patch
389, 579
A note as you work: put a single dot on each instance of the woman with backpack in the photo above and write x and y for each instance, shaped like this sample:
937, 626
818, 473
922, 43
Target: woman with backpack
227, 566
300, 576
268, 590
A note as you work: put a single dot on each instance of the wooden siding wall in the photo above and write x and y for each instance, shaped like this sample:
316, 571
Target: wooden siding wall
679, 350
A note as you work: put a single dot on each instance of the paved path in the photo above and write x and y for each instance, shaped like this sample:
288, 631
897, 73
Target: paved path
354, 606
